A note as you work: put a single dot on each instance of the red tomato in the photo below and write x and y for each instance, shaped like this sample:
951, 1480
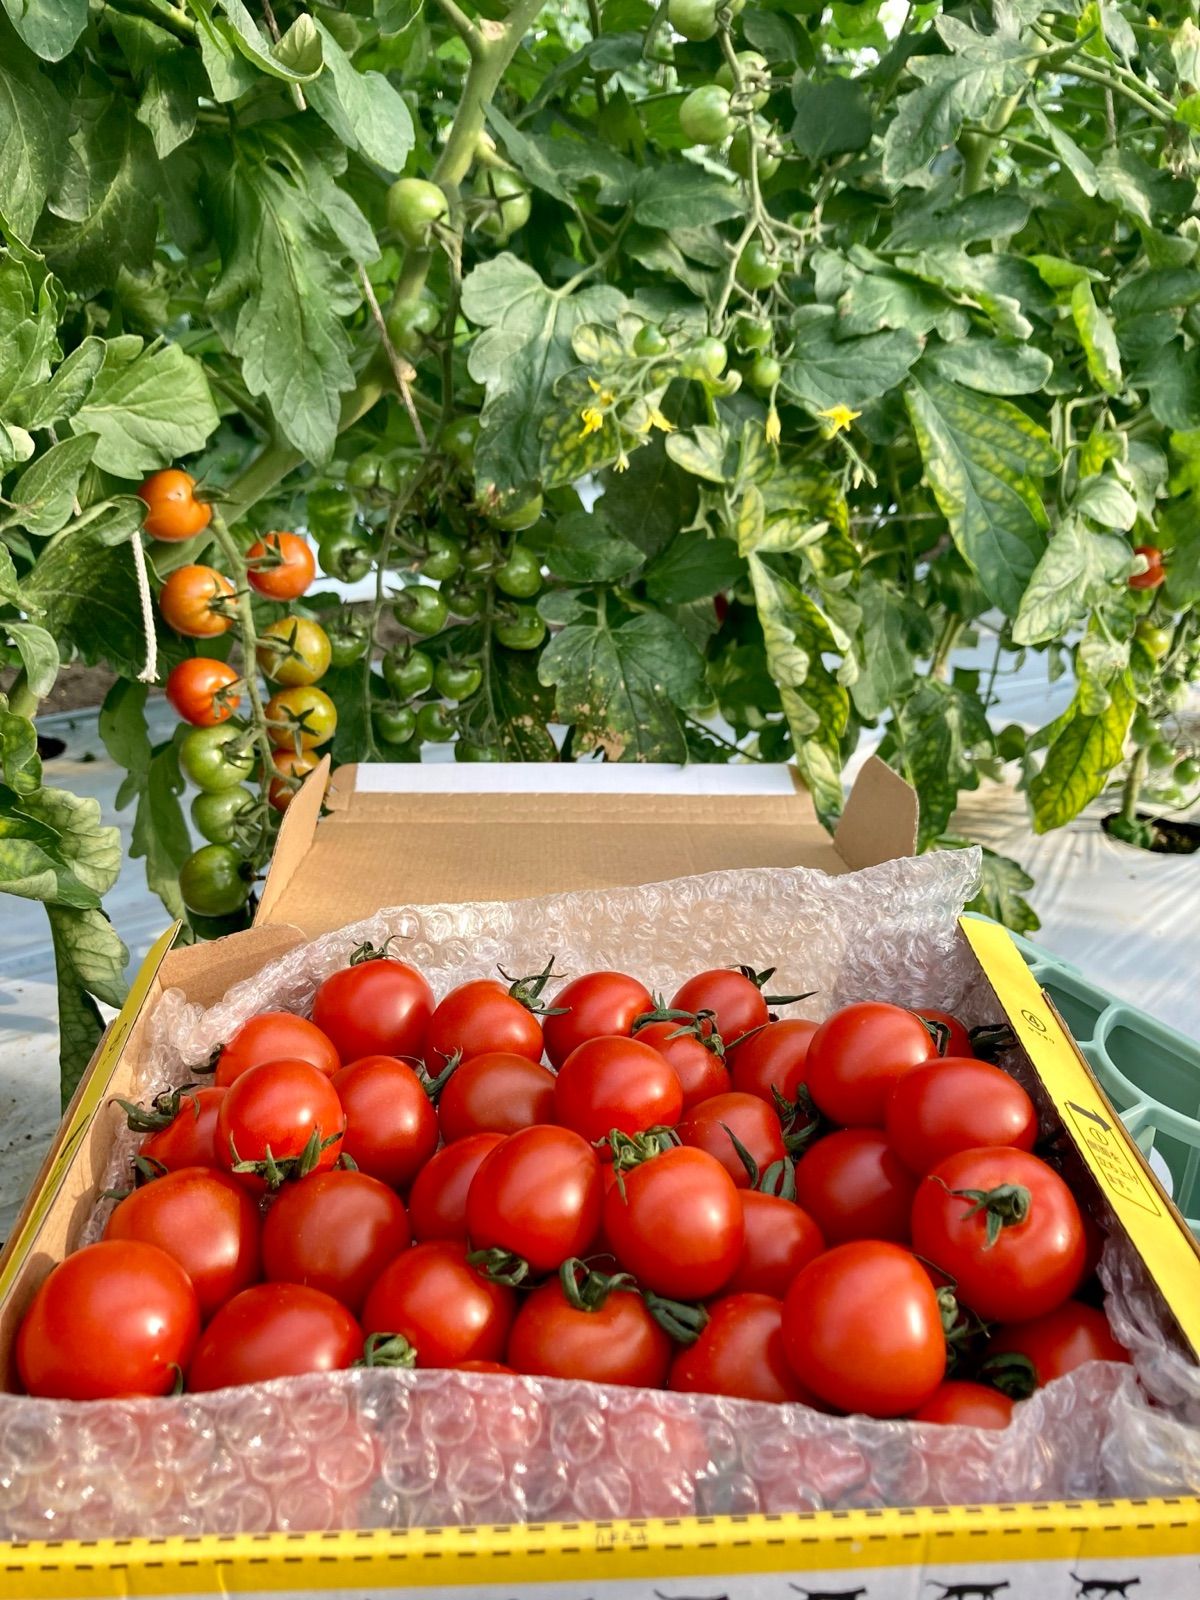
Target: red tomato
773, 1058
957, 1103
116, 1318
281, 566
699, 1068
751, 1121
173, 513
677, 1227
737, 1003
391, 1127
1060, 1341
958, 1039
200, 691
1032, 1262
277, 1109
616, 1083
740, 1352
275, 1330
437, 1203
966, 1405
335, 1231
495, 1093
1154, 574
856, 1187
780, 1239
617, 1342
448, 1312
862, 1329
189, 1140
205, 1221
378, 1006
484, 1366
275, 1036
597, 1003
482, 1018
537, 1196
856, 1057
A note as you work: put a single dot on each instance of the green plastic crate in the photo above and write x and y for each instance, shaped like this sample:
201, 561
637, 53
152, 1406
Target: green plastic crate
1150, 1072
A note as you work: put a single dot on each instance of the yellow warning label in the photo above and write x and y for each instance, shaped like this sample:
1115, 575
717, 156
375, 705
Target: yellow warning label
1155, 1228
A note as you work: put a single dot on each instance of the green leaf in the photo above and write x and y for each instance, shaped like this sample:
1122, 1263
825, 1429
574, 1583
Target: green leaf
44, 495
160, 832
1107, 502
1185, 51
824, 371
1162, 290
831, 117
693, 567
1078, 570
60, 398
53, 847
886, 668
992, 367
934, 739
940, 215
1098, 339
295, 59
27, 331
683, 195
20, 764
529, 156
1003, 885
48, 27
1120, 181
38, 652
651, 499
1171, 379
582, 547
1002, 287
704, 453
521, 706
870, 296
169, 106
10, 589
147, 407
1086, 747
362, 108
33, 134
619, 686
1077, 162
981, 457
89, 959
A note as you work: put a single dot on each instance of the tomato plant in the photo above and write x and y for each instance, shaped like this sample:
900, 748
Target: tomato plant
195, 602
203, 692
173, 511
280, 566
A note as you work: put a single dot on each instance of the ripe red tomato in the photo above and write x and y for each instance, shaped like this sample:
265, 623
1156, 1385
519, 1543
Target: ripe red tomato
495, 1093
1154, 573
856, 1057
482, 1018
966, 1405
391, 1127
172, 511
275, 1036
116, 1318
700, 1070
335, 1231
200, 691
196, 601
377, 1006
957, 1103
281, 566
773, 1058
740, 1352
432, 1296
736, 1001
203, 1220
274, 1330
596, 1003
675, 1223
484, 1366
437, 1203
862, 1329
277, 1110
958, 1040
1031, 1263
780, 1239
752, 1122
1060, 1341
537, 1196
616, 1342
856, 1187
189, 1140
616, 1083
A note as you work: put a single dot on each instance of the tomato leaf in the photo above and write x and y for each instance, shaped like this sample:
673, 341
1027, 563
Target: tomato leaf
933, 741
146, 407
58, 400
831, 117
693, 567
38, 652
89, 960
362, 108
1087, 745
44, 494
160, 833
582, 547
33, 131
1078, 569
824, 371
48, 27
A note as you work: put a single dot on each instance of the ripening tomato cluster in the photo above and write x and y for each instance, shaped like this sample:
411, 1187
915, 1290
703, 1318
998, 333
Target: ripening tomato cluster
698, 1196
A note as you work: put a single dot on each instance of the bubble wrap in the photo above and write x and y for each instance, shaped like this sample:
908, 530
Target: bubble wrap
402, 1449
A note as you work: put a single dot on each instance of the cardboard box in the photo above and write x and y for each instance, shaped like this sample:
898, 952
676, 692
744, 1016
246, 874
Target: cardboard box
458, 833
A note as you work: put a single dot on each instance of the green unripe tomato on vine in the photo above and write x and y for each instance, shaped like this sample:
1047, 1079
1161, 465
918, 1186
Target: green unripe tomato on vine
694, 19
457, 680
503, 203
409, 323
514, 515
214, 880
1154, 639
444, 558
371, 470
521, 574
705, 360
756, 269
650, 340
473, 750
458, 439
739, 152
764, 373
420, 609
751, 334
407, 673
218, 814
1187, 772
348, 643
329, 511
394, 724
216, 758
705, 117
413, 206
754, 68
1161, 755
433, 724
345, 556
524, 630
464, 600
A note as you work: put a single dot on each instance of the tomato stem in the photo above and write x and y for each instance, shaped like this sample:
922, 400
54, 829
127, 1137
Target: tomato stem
387, 1350
682, 1321
500, 1266
1005, 1206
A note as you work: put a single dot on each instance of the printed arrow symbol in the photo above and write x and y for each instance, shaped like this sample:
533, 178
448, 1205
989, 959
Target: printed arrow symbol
1092, 1116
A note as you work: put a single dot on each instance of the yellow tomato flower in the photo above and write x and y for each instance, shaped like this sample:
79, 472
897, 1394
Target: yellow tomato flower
772, 427
593, 421
835, 419
657, 420
621, 464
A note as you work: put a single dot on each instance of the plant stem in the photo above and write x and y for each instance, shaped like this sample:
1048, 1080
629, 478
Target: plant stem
1134, 780
248, 640
22, 701
162, 13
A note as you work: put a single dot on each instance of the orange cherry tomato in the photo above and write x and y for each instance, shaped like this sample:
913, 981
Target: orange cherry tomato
200, 690
173, 511
281, 566
197, 602
292, 767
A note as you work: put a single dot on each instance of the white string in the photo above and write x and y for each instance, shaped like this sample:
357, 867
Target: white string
149, 673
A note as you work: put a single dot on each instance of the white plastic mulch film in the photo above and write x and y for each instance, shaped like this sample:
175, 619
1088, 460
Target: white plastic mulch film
366, 1449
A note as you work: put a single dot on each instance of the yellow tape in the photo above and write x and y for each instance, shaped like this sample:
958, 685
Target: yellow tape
363, 1563
1158, 1235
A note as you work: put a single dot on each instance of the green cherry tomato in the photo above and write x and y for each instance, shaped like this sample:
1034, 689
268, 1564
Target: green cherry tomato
480, 558
457, 680
217, 815
473, 750
502, 203
514, 515
370, 470
764, 374
704, 360
755, 73
463, 600
1161, 755
444, 558
525, 630
458, 439
751, 334
212, 881
521, 574
1154, 639
420, 610
348, 643
1143, 728
1187, 772
694, 19
216, 758
433, 724
394, 724
330, 512
409, 323
345, 556
413, 206
407, 673
650, 340
739, 152
705, 117
756, 269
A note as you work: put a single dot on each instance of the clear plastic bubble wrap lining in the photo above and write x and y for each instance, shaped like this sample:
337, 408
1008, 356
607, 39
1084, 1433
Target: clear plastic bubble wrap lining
386, 1448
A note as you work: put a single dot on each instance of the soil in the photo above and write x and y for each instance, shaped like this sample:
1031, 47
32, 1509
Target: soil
1171, 838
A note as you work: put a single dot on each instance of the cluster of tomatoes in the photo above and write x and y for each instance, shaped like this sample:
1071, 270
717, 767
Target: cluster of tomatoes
695, 1195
